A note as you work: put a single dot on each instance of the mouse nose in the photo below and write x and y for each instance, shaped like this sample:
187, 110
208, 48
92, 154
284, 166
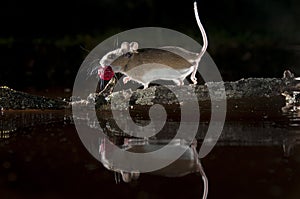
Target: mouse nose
105, 73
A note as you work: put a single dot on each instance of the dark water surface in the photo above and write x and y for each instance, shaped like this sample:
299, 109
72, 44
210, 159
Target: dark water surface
257, 156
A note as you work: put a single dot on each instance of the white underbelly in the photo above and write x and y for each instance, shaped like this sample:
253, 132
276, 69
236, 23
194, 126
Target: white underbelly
150, 72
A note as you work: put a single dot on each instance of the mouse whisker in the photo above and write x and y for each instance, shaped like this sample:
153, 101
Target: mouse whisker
83, 48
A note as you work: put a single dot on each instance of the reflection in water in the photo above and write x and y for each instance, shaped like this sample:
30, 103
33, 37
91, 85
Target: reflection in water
289, 145
5, 134
11, 121
186, 164
269, 130
292, 101
6, 127
102, 147
291, 110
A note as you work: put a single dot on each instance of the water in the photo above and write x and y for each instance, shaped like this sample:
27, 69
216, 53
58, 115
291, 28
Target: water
257, 156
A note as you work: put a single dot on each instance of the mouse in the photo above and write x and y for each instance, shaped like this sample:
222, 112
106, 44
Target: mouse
150, 64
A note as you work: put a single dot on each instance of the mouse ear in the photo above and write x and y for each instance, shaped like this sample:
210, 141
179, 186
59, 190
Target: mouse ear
134, 46
128, 55
125, 47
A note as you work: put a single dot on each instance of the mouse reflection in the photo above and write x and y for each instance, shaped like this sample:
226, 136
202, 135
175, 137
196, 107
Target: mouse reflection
188, 163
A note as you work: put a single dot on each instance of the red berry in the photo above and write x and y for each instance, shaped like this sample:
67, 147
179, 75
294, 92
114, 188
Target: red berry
106, 73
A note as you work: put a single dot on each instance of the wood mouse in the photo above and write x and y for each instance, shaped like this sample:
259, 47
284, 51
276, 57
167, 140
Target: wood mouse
149, 64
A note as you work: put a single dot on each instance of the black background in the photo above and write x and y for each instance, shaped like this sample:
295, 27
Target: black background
43, 43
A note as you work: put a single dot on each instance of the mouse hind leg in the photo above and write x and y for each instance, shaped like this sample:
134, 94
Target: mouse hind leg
193, 75
179, 82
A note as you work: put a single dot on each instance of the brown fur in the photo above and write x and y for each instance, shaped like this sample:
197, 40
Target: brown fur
147, 56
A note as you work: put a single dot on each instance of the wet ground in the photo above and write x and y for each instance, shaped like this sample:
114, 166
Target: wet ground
257, 156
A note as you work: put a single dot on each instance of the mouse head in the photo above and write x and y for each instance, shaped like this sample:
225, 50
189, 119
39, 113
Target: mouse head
106, 71
109, 57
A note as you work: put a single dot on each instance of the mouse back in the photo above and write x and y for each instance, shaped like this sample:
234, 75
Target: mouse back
146, 56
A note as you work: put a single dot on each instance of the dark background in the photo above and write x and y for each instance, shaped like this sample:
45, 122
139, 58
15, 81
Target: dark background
43, 43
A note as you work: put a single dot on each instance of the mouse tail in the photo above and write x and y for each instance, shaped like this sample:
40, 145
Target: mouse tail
204, 37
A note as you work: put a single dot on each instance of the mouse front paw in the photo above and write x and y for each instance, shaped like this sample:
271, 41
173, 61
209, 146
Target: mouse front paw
194, 80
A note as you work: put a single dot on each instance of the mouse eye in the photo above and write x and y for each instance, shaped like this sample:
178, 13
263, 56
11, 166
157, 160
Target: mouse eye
128, 55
